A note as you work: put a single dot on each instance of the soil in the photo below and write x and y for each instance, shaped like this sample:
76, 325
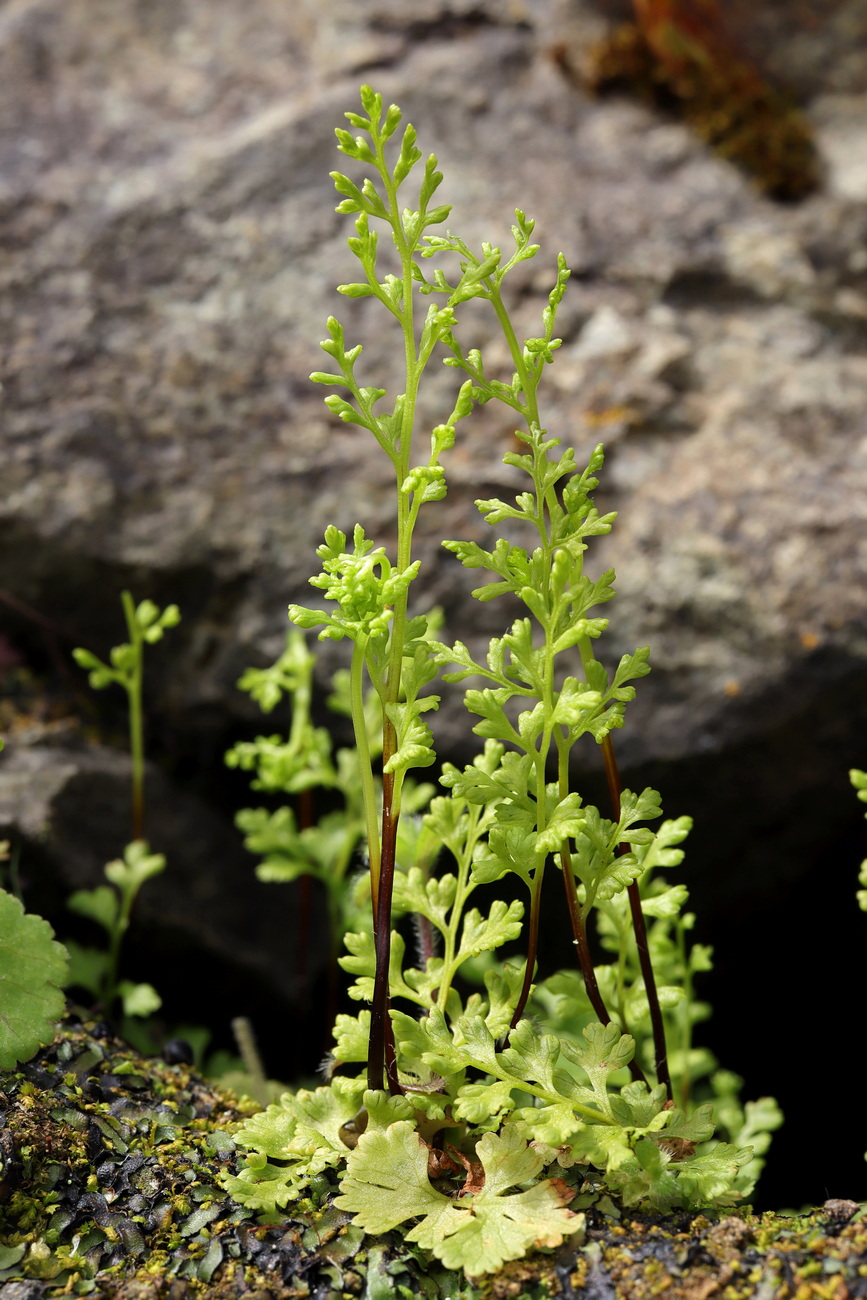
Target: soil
108, 1187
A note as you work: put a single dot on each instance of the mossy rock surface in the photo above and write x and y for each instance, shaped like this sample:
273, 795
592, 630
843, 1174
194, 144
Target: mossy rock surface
109, 1187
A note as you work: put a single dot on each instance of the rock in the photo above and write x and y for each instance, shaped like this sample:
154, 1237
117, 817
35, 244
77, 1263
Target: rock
168, 1230
175, 258
208, 921
172, 257
841, 1211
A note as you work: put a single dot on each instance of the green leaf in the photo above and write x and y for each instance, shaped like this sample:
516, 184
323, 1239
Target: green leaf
431, 897
697, 1127
430, 1043
506, 777
387, 1183
352, 1037
707, 1177
577, 705
512, 848
292, 671
637, 1008
413, 735
503, 984
33, 971
645, 1177
152, 623
383, 1110
304, 1131
643, 1107
597, 862
532, 1056
495, 724
123, 658
555, 1124
101, 904
608, 1149
362, 582
483, 934
496, 1228
604, 1051
483, 1103
666, 904
100, 675
386, 1180
88, 967
320, 850
630, 667
859, 781
564, 821
137, 866
660, 853
139, 999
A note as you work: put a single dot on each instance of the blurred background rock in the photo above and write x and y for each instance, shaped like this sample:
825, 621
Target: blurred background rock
169, 255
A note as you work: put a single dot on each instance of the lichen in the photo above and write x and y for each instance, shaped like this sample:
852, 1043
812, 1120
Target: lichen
108, 1187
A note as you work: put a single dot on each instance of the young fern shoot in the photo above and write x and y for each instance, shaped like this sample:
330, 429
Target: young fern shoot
370, 589
552, 585
111, 905
145, 624
302, 844
550, 582
444, 1073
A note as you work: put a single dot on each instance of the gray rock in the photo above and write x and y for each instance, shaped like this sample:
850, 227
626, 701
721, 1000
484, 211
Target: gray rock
172, 252
71, 804
174, 255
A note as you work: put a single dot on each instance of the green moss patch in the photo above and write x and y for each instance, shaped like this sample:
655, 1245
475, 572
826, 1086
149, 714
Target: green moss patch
108, 1186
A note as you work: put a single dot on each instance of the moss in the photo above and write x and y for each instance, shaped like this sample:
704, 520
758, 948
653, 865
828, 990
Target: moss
723, 96
109, 1188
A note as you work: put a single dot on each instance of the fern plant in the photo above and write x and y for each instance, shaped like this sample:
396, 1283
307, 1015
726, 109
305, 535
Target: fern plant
450, 1110
291, 843
110, 905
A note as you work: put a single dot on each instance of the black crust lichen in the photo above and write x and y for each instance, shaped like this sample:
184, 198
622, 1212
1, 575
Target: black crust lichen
109, 1166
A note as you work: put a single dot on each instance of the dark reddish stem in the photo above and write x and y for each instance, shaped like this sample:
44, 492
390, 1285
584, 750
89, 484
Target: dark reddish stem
614, 789
579, 930
305, 899
138, 813
425, 942
382, 1057
532, 949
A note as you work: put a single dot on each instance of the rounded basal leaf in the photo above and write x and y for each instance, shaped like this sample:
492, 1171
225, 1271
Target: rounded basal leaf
387, 1183
303, 1132
33, 970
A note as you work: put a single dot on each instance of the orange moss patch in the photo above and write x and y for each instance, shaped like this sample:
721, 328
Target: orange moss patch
679, 55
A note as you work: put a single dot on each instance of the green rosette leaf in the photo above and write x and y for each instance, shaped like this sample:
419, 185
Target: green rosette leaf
33, 970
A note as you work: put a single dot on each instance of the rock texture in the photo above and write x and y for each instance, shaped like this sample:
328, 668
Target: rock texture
145, 1195
70, 803
171, 251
